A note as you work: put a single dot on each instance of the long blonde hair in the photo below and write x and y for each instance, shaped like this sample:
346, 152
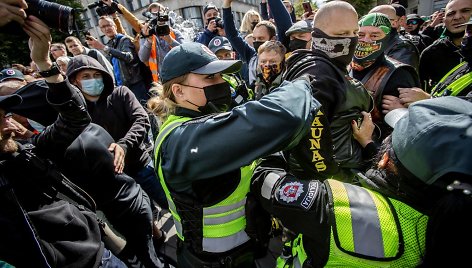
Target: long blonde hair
246, 26
163, 104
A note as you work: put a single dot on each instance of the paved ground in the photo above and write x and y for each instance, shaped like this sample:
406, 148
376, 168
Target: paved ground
167, 224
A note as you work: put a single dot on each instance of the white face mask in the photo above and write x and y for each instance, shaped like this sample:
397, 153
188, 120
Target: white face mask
35, 125
92, 87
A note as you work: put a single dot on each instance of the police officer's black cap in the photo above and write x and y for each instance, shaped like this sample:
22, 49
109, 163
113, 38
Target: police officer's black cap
191, 57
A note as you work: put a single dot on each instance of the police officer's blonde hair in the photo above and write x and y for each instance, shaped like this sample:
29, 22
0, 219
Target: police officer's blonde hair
163, 104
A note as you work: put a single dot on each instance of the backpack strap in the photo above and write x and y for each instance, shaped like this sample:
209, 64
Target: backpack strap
69, 190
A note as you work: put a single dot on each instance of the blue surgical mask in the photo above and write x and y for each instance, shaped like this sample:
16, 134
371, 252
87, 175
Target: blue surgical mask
92, 87
35, 125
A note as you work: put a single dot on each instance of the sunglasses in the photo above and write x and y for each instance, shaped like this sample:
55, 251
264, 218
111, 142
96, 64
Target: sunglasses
412, 22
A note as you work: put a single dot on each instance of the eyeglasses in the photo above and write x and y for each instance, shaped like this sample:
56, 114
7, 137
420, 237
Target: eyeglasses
106, 26
412, 22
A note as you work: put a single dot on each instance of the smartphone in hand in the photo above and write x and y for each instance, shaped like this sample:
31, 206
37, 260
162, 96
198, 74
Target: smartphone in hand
307, 8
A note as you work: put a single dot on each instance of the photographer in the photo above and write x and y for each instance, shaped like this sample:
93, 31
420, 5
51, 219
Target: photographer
122, 54
158, 39
213, 25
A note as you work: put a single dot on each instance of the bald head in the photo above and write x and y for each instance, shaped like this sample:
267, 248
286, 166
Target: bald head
384, 9
330, 12
390, 12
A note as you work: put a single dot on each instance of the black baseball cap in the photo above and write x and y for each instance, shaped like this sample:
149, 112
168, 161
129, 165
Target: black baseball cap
208, 7
433, 137
11, 74
218, 43
192, 57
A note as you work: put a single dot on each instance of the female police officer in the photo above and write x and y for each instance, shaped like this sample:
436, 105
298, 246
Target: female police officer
204, 157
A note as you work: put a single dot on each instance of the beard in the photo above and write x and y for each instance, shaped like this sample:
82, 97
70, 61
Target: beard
7, 144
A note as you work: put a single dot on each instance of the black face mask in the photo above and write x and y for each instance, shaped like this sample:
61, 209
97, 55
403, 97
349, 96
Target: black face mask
218, 98
340, 49
297, 44
257, 44
253, 25
466, 48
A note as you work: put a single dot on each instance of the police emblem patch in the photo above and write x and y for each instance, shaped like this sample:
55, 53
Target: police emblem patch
10, 72
290, 191
217, 42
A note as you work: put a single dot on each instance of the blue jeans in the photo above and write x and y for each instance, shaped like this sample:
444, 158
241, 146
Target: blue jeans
148, 180
111, 261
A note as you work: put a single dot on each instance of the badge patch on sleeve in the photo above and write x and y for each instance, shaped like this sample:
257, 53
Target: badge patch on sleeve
291, 191
309, 198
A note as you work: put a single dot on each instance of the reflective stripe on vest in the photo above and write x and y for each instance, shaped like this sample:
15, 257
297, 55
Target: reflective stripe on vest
223, 223
165, 130
364, 221
456, 87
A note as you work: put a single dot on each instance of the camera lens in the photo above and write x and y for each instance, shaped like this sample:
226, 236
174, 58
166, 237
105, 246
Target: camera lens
54, 15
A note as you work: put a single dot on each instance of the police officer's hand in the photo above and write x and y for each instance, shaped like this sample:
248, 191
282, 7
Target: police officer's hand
119, 159
390, 103
363, 132
411, 95
12, 10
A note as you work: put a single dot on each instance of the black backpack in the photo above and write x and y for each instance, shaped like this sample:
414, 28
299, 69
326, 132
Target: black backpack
46, 220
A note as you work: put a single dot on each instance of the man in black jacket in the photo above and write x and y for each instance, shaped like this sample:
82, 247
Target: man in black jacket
443, 55
330, 150
37, 228
380, 74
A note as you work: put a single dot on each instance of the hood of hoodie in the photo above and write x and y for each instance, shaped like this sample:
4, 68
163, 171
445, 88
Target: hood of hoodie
80, 62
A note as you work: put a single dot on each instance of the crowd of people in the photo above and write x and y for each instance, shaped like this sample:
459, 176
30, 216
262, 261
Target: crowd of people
348, 138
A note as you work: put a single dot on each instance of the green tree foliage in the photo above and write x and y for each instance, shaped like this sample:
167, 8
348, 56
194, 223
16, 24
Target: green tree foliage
14, 44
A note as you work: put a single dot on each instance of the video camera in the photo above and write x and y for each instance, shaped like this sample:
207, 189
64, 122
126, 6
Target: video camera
158, 22
54, 15
102, 9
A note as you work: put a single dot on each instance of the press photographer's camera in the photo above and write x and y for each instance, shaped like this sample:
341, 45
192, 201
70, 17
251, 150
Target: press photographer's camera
54, 15
102, 9
158, 23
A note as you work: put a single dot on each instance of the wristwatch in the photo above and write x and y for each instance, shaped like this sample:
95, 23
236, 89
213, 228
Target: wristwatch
51, 72
106, 49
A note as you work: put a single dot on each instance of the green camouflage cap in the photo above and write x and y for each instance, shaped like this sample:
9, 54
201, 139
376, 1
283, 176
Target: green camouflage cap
378, 20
